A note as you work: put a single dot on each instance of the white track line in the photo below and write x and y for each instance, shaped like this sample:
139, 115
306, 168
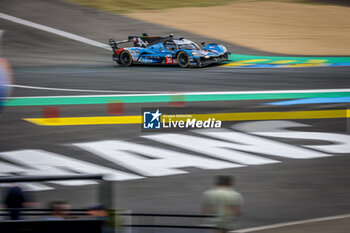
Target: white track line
201, 93
292, 223
75, 90
54, 31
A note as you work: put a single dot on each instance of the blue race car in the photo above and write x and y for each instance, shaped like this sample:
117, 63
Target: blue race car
167, 50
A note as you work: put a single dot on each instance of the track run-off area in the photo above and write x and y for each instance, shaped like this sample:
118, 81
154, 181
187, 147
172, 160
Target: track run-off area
235, 60
285, 133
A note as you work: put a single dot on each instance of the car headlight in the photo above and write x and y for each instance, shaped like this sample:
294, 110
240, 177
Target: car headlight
197, 54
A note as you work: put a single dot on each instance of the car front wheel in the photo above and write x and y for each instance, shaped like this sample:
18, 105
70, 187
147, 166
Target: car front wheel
183, 59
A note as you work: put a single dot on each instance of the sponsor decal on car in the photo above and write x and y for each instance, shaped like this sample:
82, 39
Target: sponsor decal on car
134, 52
169, 60
145, 60
152, 57
141, 43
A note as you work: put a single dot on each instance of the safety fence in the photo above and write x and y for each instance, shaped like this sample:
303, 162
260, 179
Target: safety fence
35, 220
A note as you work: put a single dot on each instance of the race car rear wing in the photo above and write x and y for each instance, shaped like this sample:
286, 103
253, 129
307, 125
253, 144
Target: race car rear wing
114, 44
139, 41
144, 41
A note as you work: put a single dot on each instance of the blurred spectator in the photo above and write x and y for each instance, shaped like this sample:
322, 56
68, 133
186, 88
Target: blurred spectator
97, 212
224, 202
6, 78
14, 199
59, 210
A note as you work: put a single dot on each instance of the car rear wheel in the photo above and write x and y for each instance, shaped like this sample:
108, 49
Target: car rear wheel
125, 58
183, 59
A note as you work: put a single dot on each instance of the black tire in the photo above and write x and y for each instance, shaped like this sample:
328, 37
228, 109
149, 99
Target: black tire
125, 58
114, 57
183, 59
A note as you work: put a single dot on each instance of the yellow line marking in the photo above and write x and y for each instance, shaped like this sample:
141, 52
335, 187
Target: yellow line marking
237, 116
283, 62
245, 62
316, 61
109, 120
236, 64
319, 114
255, 60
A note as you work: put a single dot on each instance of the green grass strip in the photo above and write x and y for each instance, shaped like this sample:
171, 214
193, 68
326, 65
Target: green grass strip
35, 101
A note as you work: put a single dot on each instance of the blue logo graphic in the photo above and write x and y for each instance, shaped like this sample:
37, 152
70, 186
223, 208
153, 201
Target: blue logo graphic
151, 120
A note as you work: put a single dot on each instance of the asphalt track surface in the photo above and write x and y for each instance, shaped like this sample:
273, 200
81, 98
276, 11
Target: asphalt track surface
274, 193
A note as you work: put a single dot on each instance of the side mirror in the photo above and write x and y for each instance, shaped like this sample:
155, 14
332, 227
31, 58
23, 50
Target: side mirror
203, 43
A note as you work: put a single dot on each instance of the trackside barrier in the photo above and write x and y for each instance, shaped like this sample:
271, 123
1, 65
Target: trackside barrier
153, 227
57, 226
131, 226
51, 226
92, 226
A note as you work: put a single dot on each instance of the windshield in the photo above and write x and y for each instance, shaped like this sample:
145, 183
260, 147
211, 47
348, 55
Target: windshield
170, 46
191, 46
